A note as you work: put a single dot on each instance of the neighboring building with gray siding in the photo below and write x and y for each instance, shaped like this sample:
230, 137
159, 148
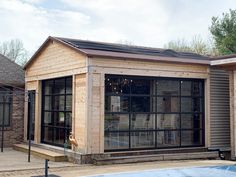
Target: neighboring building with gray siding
219, 108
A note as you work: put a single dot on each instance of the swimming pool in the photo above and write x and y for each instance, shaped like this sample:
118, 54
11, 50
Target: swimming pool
212, 171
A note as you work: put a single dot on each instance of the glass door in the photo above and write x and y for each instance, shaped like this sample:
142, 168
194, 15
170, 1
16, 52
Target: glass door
56, 111
31, 113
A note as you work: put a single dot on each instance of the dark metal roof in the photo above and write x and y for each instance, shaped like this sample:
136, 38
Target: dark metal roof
112, 47
10, 72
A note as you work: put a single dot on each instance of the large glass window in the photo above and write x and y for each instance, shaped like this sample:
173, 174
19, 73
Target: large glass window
5, 106
147, 112
57, 108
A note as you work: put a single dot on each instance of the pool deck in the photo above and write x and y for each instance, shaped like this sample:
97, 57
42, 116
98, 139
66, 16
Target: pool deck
134, 167
14, 163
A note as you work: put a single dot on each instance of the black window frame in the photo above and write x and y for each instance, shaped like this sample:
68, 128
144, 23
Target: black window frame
155, 96
7, 92
65, 128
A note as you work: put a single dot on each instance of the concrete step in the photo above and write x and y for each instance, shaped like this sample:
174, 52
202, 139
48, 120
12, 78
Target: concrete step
155, 151
155, 157
42, 153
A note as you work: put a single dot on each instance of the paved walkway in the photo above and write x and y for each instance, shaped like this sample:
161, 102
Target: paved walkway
14, 163
11, 160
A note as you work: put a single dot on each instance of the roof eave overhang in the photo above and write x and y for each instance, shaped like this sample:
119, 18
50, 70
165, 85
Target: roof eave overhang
228, 62
118, 55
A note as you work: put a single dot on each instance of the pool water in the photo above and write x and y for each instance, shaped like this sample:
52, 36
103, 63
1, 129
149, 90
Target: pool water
213, 171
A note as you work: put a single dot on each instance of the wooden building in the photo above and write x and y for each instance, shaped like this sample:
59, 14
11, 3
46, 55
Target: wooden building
123, 98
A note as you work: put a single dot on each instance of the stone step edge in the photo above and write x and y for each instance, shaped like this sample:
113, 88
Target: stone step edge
158, 151
152, 155
46, 154
160, 157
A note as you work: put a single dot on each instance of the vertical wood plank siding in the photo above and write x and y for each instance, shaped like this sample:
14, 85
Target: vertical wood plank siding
219, 108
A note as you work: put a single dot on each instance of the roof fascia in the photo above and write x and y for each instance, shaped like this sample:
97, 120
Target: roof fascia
228, 61
146, 57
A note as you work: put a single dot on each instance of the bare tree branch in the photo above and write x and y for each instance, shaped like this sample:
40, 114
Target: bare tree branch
14, 50
196, 45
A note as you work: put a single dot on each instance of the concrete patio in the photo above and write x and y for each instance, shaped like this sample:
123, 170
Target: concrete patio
14, 163
12, 160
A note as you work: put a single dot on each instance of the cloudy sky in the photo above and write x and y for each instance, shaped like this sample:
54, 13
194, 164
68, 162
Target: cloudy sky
141, 22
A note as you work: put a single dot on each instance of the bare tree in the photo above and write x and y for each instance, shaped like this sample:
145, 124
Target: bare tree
14, 50
125, 42
196, 45
180, 45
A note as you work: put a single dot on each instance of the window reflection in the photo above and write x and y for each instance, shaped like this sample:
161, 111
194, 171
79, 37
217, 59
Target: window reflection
168, 104
186, 88
140, 104
59, 102
117, 140
146, 112
116, 122
191, 121
190, 138
140, 86
117, 85
168, 138
69, 102
48, 102
57, 107
59, 118
48, 134
47, 118
117, 103
191, 104
69, 85
143, 139
59, 87
48, 85
7, 113
143, 121
168, 121
68, 119
167, 87
197, 89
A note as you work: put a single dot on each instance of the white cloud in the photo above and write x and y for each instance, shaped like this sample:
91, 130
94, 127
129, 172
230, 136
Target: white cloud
151, 22
33, 1
142, 22
34, 24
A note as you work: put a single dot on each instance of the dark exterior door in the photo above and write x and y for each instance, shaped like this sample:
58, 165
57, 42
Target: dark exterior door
31, 114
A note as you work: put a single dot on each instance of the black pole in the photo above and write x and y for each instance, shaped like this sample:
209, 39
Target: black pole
30, 124
3, 120
46, 167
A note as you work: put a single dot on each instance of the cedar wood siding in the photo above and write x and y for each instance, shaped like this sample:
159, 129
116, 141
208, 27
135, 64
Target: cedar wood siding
99, 66
56, 60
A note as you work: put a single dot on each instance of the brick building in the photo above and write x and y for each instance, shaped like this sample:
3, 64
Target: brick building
11, 101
